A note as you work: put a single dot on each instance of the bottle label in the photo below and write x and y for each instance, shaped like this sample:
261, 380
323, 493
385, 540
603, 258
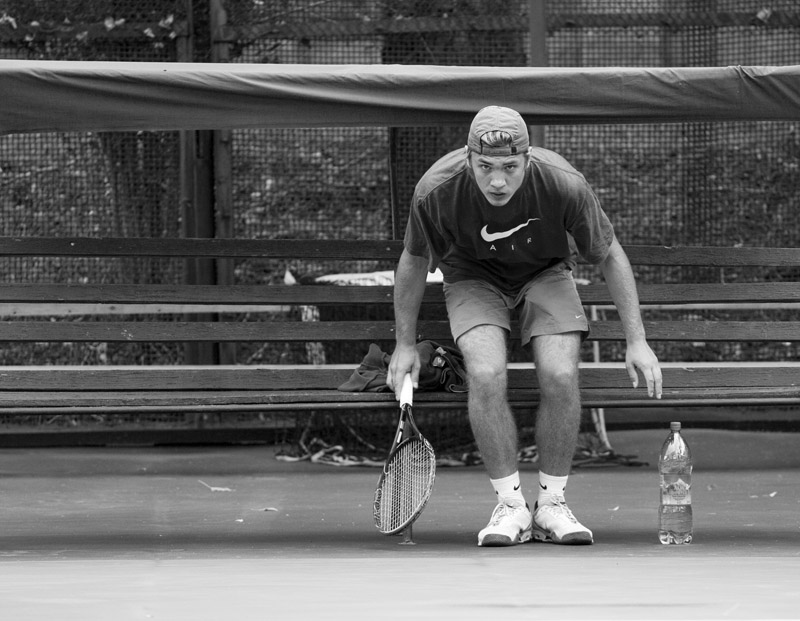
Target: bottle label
676, 493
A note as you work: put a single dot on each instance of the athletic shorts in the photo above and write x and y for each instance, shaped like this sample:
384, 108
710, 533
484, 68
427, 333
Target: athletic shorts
548, 304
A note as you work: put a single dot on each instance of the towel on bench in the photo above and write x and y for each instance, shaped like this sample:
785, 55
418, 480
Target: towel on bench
442, 369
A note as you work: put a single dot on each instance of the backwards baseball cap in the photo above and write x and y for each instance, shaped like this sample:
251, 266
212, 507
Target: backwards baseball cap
498, 119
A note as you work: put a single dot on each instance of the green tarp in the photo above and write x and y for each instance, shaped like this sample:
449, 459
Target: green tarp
39, 96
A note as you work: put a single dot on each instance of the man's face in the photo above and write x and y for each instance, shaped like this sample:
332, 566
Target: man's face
498, 177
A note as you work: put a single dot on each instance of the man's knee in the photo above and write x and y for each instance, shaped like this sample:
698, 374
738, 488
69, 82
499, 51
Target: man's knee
558, 379
486, 376
485, 357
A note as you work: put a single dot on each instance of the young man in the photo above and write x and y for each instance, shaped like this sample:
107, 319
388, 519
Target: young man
504, 222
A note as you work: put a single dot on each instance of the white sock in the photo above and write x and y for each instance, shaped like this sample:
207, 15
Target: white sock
508, 489
550, 486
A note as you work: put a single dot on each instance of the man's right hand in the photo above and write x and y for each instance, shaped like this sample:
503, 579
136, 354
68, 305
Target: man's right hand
405, 359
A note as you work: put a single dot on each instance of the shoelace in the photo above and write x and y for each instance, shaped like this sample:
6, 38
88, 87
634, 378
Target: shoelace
560, 505
502, 510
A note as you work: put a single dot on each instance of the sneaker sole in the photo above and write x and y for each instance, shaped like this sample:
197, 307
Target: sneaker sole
571, 539
499, 541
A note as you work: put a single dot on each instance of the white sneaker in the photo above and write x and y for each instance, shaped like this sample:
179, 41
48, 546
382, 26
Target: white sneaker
510, 525
555, 523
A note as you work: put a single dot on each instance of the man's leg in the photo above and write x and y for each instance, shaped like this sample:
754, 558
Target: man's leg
559, 416
557, 426
493, 424
495, 431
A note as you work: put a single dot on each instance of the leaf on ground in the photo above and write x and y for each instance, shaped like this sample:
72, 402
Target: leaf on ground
214, 488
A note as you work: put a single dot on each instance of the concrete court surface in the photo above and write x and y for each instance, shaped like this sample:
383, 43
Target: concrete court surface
232, 533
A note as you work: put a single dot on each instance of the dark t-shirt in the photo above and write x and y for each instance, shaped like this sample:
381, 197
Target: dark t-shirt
550, 218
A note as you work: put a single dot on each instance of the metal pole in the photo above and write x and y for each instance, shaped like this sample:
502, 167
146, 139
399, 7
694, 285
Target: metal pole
537, 54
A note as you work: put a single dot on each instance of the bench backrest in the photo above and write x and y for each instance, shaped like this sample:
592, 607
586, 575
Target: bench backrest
742, 308
212, 298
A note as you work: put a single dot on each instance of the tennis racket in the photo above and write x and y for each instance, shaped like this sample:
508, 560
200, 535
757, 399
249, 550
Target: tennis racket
406, 482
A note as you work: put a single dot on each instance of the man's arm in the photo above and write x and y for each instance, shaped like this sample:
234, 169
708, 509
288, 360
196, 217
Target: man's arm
409, 287
621, 285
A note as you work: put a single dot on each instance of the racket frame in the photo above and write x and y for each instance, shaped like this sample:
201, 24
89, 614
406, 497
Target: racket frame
407, 431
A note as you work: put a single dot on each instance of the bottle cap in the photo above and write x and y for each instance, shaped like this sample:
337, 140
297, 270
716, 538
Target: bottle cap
674, 426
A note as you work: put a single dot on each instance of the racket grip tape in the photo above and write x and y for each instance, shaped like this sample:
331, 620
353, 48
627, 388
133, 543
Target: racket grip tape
407, 391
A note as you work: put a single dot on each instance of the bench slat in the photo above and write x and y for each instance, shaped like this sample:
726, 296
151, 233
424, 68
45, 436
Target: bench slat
703, 331
328, 377
180, 248
305, 401
354, 249
713, 256
347, 294
364, 331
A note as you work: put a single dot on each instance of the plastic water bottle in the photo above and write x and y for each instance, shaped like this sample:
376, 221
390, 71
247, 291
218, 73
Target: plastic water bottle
675, 510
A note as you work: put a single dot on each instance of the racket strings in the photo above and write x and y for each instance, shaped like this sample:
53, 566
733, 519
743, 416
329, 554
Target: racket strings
406, 485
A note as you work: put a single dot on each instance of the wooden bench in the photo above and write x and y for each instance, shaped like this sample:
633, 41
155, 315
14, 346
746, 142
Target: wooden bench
206, 314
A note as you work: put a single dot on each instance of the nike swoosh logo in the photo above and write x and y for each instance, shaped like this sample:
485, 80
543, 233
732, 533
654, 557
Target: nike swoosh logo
516, 487
490, 237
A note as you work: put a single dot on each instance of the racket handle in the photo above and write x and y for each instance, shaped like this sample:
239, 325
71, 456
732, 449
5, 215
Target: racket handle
407, 391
